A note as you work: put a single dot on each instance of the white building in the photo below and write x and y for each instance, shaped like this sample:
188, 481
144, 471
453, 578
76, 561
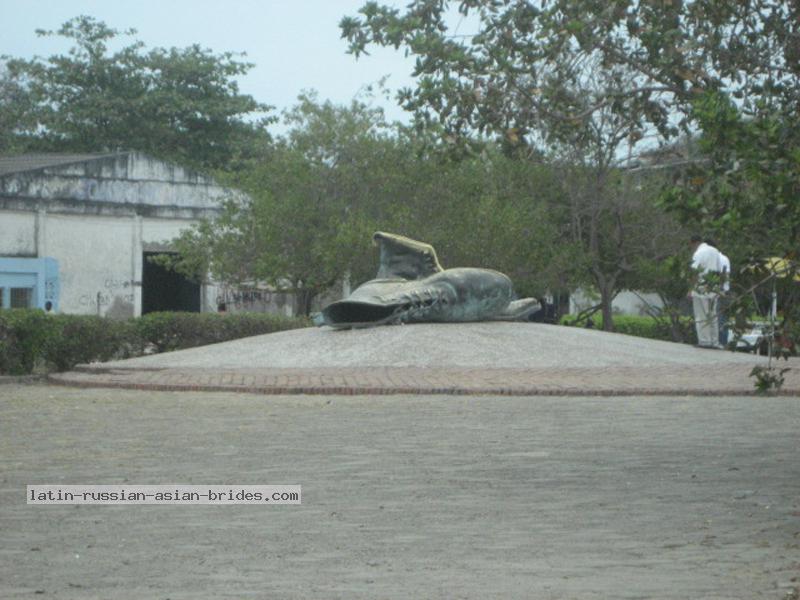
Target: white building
96, 218
627, 302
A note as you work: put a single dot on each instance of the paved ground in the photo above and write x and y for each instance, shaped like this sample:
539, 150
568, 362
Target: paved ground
405, 496
478, 358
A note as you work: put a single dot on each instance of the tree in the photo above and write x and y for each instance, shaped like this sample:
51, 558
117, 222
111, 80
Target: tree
13, 107
511, 80
744, 190
527, 73
304, 224
617, 229
340, 174
518, 65
551, 72
178, 104
495, 212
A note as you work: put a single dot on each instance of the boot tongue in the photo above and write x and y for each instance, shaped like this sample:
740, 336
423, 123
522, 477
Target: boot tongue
404, 258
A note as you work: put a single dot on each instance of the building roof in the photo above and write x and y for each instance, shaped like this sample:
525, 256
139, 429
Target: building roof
108, 183
32, 162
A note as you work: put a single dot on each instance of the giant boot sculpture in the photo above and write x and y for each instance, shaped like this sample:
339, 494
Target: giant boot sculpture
412, 287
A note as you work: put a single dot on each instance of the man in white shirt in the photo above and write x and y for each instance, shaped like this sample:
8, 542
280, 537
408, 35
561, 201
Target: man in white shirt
706, 261
724, 300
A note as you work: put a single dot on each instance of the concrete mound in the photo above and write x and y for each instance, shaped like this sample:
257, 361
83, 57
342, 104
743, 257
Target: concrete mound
472, 345
467, 358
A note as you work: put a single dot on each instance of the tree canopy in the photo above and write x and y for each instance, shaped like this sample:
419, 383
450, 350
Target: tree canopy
521, 63
540, 107
181, 104
341, 172
605, 80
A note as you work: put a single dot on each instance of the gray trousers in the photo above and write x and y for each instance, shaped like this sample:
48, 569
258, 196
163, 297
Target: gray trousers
706, 319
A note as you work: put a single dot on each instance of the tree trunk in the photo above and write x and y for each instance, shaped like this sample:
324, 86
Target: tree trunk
606, 286
304, 298
606, 298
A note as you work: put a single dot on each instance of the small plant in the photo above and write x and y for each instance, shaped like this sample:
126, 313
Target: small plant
768, 379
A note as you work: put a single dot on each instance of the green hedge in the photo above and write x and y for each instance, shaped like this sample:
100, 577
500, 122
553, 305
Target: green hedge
646, 327
168, 331
24, 335
31, 340
77, 339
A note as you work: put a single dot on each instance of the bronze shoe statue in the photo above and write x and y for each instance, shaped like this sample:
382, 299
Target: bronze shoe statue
412, 287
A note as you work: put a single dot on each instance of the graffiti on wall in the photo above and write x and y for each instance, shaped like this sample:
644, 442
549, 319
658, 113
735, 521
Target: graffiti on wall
251, 299
113, 289
115, 284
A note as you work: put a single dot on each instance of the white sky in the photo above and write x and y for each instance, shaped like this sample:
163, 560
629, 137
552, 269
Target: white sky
294, 44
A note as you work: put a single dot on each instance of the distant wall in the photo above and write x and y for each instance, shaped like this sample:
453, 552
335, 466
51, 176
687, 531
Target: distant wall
127, 179
626, 303
18, 234
98, 217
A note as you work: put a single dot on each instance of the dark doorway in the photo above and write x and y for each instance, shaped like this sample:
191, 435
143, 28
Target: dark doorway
163, 289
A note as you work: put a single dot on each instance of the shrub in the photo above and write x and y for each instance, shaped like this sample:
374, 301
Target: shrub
168, 331
24, 335
646, 327
31, 339
78, 339
9, 356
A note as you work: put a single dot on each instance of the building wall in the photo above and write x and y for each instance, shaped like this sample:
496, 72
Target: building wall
129, 178
99, 216
101, 260
96, 218
18, 234
95, 257
625, 303
254, 299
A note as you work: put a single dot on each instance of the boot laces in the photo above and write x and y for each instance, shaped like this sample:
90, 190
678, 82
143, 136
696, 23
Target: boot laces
416, 304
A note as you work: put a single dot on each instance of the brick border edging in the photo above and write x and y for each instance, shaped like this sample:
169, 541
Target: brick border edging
390, 390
